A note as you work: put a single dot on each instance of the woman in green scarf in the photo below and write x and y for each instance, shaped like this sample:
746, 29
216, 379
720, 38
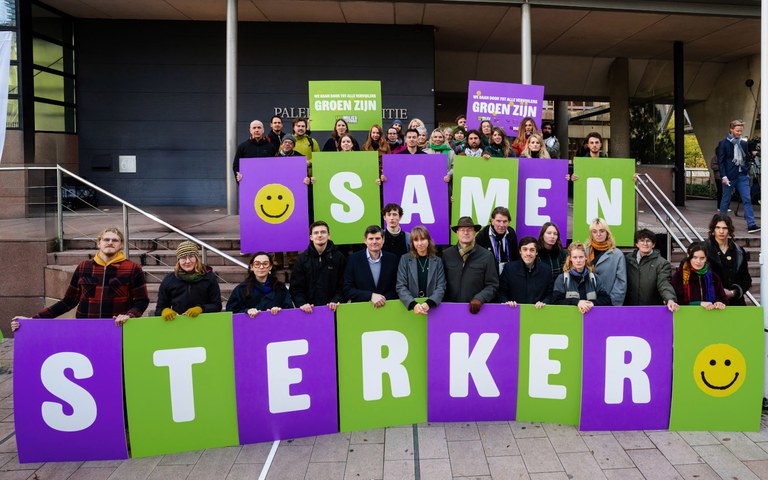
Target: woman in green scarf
437, 144
191, 289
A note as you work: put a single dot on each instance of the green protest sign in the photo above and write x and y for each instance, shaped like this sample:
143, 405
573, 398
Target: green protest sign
717, 379
605, 189
382, 366
480, 185
346, 193
180, 384
549, 387
358, 102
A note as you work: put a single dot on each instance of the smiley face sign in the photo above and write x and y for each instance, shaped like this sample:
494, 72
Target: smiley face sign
719, 370
274, 203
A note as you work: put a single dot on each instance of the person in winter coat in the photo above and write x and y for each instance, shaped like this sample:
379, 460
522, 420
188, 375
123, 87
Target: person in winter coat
420, 273
578, 285
333, 144
318, 274
551, 250
607, 260
728, 260
498, 145
191, 289
260, 291
695, 283
526, 280
648, 274
499, 238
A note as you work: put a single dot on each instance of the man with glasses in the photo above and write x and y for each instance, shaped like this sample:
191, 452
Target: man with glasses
648, 274
318, 273
107, 286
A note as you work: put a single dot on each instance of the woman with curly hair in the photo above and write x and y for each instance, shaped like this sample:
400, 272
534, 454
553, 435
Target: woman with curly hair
695, 283
526, 128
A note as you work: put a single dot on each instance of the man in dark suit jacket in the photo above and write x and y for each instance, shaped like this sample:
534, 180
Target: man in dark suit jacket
371, 274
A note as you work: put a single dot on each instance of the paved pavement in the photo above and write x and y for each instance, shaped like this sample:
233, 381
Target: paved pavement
481, 450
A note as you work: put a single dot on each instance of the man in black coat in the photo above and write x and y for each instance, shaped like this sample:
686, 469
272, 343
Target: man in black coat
371, 274
256, 146
526, 280
499, 238
318, 273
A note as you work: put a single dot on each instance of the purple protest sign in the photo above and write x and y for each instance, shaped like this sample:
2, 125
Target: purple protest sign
472, 363
415, 182
627, 369
68, 391
273, 204
542, 193
285, 375
504, 104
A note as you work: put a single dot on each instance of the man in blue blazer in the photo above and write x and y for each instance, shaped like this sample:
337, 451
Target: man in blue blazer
734, 161
371, 274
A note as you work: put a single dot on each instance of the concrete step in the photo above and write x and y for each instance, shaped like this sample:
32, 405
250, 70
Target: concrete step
149, 244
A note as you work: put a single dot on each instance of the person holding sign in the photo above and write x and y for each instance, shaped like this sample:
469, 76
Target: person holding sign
287, 147
260, 291
376, 143
346, 143
471, 274
191, 289
499, 238
498, 145
109, 285
333, 144
728, 260
526, 280
577, 285
371, 273
551, 250
256, 146
608, 262
526, 128
648, 274
318, 274
534, 148
304, 144
420, 273
695, 283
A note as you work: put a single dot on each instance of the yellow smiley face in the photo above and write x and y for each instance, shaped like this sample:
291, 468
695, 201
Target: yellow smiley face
274, 203
719, 370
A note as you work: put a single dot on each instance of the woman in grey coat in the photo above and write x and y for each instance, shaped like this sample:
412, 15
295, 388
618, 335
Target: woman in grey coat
420, 273
608, 261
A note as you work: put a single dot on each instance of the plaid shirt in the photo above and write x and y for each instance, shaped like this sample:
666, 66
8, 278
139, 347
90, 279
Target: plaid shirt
103, 292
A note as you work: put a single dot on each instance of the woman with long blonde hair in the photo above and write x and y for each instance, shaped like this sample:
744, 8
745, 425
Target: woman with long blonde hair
607, 261
578, 285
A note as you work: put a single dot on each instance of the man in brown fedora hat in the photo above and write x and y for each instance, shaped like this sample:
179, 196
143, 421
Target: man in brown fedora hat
470, 272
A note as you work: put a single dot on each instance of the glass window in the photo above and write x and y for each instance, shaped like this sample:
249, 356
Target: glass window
12, 117
49, 85
47, 23
13, 80
8, 13
49, 117
47, 54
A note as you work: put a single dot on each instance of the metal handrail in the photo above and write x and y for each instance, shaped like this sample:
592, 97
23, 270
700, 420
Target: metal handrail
126, 205
643, 180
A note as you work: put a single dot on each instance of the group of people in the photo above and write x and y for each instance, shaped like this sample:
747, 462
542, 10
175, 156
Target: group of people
487, 264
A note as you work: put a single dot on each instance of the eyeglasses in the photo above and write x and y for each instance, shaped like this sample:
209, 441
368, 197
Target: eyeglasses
110, 240
188, 258
262, 264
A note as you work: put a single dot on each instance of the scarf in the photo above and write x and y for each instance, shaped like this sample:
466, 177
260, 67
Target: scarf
395, 144
738, 153
263, 288
602, 246
578, 275
705, 275
190, 277
496, 151
464, 252
477, 153
439, 148
500, 244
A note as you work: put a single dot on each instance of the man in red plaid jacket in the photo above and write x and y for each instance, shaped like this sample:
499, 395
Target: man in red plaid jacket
108, 286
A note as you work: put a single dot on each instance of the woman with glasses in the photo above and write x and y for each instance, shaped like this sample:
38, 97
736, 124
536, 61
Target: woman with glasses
191, 289
260, 291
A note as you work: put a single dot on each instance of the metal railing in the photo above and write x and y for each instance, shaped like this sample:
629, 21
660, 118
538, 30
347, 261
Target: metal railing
671, 218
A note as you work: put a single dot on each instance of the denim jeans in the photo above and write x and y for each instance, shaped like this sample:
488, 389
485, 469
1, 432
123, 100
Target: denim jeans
742, 184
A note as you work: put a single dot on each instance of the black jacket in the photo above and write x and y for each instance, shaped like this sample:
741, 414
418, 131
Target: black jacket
253, 149
523, 285
318, 279
180, 295
332, 146
483, 239
239, 303
358, 279
740, 280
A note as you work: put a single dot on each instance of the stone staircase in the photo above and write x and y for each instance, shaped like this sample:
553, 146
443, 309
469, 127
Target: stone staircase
157, 259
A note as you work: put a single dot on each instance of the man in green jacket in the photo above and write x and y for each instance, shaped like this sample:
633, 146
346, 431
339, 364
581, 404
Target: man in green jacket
648, 274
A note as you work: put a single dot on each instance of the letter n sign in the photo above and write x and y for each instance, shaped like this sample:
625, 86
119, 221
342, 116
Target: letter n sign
68, 391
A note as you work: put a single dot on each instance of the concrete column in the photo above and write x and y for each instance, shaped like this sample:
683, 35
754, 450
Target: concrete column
679, 94
231, 99
619, 96
525, 44
561, 126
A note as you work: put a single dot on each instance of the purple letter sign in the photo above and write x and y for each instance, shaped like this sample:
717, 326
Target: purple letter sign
504, 104
472, 363
415, 182
542, 192
273, 204
627, 370
285, 375
68, 391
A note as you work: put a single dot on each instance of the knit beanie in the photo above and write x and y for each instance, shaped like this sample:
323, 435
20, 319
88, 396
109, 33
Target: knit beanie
291, 138
187, 248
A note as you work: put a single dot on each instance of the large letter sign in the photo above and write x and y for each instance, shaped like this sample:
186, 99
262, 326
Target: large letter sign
605, 189
357, 102
68, 391
543, 195
504, 104
345, 193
